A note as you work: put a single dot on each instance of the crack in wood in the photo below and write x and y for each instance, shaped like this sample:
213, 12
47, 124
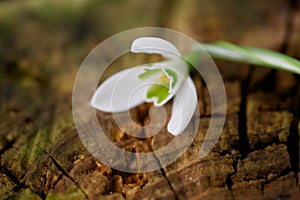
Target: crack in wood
202, 96
60, 168
10, 175
19, 185
242, 122
169, 182
282, 174
262, 188
229, 181
293, 138
8, 145
163, 172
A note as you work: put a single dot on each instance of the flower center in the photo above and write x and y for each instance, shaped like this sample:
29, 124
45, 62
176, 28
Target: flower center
161, 90
164, 79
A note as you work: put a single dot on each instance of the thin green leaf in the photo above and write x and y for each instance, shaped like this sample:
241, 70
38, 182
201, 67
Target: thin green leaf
251, 55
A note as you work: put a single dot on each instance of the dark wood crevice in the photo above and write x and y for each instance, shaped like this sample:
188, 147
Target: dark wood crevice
10, 175
163, 173
169, 182
242, 121
282, 174
8, 145
65, 173
19, 184
268, 85
293, 138
229, 181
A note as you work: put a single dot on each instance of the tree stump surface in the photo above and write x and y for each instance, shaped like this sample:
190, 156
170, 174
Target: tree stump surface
256, 156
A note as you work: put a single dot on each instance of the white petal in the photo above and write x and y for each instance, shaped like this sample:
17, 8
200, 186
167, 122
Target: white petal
120, 92
184, 106
155, 45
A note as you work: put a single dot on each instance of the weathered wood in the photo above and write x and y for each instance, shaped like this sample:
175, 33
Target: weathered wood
42, 156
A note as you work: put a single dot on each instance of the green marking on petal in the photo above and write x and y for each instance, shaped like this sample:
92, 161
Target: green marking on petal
148, 72
172, 74
159, 92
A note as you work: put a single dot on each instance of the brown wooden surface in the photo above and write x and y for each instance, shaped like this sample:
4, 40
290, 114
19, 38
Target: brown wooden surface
42, 157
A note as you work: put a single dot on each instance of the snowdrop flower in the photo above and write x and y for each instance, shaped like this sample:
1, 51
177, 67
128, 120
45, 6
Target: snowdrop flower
157, 83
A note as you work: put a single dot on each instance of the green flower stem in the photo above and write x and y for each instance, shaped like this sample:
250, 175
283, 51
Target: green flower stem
193, 59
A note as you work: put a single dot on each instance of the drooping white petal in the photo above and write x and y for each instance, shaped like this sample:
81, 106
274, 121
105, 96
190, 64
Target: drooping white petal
120, 92
155, 45
184, 106
175, 70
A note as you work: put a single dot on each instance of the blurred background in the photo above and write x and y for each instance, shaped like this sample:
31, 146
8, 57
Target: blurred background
41, 39
43, 42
